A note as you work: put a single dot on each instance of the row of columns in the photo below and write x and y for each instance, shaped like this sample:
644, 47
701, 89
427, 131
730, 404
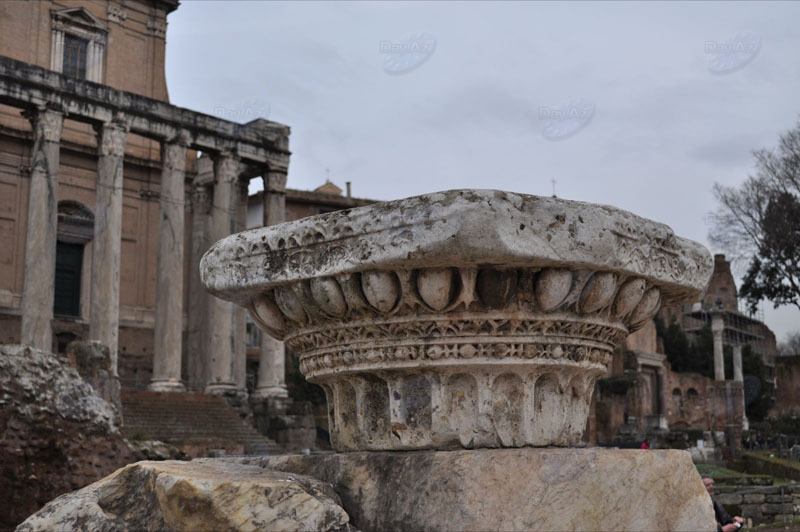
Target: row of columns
224, 323
227, 322
217, 328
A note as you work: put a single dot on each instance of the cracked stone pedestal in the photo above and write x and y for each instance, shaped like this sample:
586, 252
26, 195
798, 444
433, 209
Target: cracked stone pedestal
471, 319
510, 489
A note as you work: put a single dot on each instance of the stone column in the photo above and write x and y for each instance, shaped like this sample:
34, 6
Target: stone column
226, 173
107, 243
199, 300
739, 377
240, 313
169, 280
40, 243
717, 327
271, 365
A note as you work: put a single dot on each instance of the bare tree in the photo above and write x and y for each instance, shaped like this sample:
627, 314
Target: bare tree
791, 346
758, 223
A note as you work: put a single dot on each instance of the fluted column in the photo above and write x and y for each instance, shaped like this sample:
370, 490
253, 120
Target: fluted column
226, 172
169, 280
271, 366
717, 327
40, 243
107, 243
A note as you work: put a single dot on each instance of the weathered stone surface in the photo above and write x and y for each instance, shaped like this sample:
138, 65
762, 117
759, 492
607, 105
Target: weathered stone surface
96, 366
56, 434
729, 498
753, 498
207, 495
107, 241
169, 279
159, 450
40, 241
476, 226
466, 318
512, 489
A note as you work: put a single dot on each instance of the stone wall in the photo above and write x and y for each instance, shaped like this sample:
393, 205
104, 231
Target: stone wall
687, 400
764, 505
686, 397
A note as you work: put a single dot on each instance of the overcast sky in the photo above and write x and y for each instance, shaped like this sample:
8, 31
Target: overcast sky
662, 99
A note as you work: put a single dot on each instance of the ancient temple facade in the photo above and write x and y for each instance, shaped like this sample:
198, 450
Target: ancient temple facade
109, 196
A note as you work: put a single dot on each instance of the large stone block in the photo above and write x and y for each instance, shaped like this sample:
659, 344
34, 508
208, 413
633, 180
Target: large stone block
512, 489
754, 498
194, 497
728, 498
776, 498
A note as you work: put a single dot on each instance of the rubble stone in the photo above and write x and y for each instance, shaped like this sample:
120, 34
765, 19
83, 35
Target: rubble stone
199, 496
57, 433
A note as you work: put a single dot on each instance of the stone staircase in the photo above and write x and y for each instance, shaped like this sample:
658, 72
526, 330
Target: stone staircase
194, 422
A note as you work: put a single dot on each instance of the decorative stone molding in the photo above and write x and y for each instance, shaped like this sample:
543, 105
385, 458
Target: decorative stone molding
80, 22
116, 14
159, 29
457, 319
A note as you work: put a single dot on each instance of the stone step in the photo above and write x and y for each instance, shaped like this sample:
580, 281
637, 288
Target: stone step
187, 418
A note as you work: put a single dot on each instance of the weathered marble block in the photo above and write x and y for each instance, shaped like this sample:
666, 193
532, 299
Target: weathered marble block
466, 318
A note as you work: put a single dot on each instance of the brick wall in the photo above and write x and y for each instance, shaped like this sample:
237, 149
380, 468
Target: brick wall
787, 382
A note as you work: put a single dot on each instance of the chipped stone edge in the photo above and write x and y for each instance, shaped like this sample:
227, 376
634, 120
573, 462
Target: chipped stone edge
464, 227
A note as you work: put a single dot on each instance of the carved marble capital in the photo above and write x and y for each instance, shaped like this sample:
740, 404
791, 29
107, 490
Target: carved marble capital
46, 123
111, 136
226, 167
173, 152
275, 181
457, 319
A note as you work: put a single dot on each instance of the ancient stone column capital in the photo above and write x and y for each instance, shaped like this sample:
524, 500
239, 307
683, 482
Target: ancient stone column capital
111, 137
717, 322
46, 122
466, 318
275, 181
173, 154
226, 167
